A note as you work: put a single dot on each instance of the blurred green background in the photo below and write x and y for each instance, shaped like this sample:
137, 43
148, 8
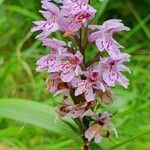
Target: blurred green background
18, 79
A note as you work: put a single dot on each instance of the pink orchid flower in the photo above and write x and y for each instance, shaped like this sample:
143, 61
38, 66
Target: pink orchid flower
56, 86
57, 46
71, 67
93, 81
95, 130
53, 82
50, 25
52, 62
53, 43
76, 14
113, 67
79, 110
104, 36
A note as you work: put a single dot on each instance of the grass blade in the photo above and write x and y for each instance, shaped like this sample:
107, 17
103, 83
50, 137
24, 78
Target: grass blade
130, 139
22, 11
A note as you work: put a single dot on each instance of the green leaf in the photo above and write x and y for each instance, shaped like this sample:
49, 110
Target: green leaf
101, 6
22, 11
35, 113
130, 139
1, 1
95, 146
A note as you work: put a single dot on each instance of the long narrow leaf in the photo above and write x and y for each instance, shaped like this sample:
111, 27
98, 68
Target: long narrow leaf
130, 139
22, 11
101, 6
35, 113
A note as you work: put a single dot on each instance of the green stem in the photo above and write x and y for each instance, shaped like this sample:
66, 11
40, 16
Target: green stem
80, 125
86, 147
89, 2
84, 38
93, 60
84, 41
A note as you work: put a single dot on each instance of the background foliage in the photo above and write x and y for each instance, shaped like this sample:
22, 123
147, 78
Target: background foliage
18, 80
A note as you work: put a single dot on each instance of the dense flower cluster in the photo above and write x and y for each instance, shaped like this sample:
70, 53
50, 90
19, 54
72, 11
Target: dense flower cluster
84, 85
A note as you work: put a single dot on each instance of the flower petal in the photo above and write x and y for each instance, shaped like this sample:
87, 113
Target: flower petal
109, 77
80, 90
67, 75
89, 95
97, 138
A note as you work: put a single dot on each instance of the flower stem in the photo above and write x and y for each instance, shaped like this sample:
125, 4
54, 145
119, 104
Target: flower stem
86, 147
93, 60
